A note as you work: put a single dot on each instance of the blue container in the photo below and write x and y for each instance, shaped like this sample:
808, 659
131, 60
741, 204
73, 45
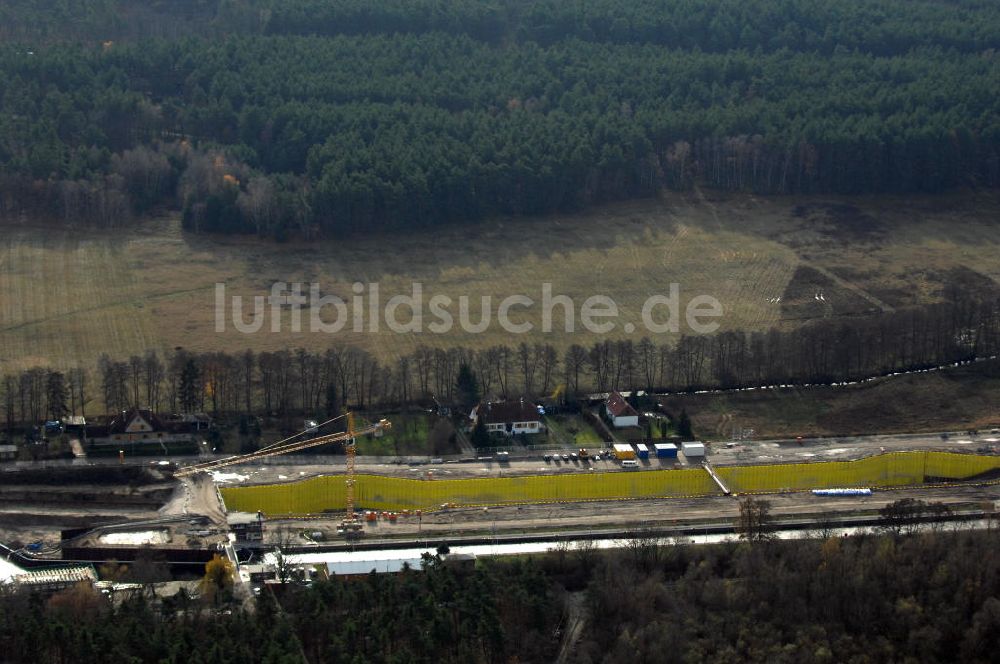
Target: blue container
666, 451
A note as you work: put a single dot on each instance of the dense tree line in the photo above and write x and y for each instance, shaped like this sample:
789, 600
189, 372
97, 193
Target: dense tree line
870, 597
289, 382
408, 114
925, 598
886, 27
54, 21
493, 614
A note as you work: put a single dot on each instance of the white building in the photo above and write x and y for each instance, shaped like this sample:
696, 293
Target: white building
620, 412
693, 449
509, 418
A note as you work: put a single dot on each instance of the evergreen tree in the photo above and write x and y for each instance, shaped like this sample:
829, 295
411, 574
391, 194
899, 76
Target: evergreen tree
55, 388
684, 426
467, 387
843, 103
331, 400
480, 436
190, 387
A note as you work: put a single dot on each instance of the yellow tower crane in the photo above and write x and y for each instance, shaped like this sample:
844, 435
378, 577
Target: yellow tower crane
351, 525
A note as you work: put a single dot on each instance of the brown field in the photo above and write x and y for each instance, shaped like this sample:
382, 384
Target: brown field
66, 296
953, 399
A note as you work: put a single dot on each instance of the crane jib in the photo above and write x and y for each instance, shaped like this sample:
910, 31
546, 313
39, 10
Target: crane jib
349, 438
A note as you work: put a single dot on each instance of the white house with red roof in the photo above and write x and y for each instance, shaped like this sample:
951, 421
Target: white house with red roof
620, 412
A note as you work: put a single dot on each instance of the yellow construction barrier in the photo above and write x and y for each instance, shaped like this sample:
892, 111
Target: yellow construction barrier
311, 496
377, 492
886, 470
945, 465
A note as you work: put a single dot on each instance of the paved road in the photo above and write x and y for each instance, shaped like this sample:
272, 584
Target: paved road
277, 469
784, 451
849, 447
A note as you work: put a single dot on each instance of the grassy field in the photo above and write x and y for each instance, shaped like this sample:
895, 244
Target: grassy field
416, 433
66, 296
955, 399
568, 429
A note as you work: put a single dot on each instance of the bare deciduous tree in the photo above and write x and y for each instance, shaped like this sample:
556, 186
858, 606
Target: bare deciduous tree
754, 521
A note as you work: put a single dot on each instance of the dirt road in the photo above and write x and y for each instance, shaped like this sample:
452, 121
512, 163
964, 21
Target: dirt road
204, 499
196, 495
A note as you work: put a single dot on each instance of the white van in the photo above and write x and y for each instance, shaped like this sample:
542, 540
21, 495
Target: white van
630, 463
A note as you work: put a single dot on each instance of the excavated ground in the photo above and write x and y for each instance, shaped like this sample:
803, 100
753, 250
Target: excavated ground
36, 504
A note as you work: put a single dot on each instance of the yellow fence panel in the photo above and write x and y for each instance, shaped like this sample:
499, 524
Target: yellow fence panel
395, 493
946, 465
309, 496
392, 493
895, 469
319, 494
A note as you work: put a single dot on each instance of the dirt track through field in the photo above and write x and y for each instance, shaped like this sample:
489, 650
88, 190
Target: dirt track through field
854, 288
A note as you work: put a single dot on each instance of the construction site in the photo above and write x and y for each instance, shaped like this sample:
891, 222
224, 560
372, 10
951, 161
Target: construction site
514, 499
281, 497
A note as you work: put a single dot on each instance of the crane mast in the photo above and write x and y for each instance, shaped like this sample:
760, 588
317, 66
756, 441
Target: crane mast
350, 525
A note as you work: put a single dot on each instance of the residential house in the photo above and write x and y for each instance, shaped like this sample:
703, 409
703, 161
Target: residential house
141, 425
509, 418
620, 412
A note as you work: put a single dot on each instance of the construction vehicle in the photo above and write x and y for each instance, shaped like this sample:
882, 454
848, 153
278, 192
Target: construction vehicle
351, 526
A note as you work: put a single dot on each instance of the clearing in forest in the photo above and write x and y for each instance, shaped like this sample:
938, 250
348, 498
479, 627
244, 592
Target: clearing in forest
66, 296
